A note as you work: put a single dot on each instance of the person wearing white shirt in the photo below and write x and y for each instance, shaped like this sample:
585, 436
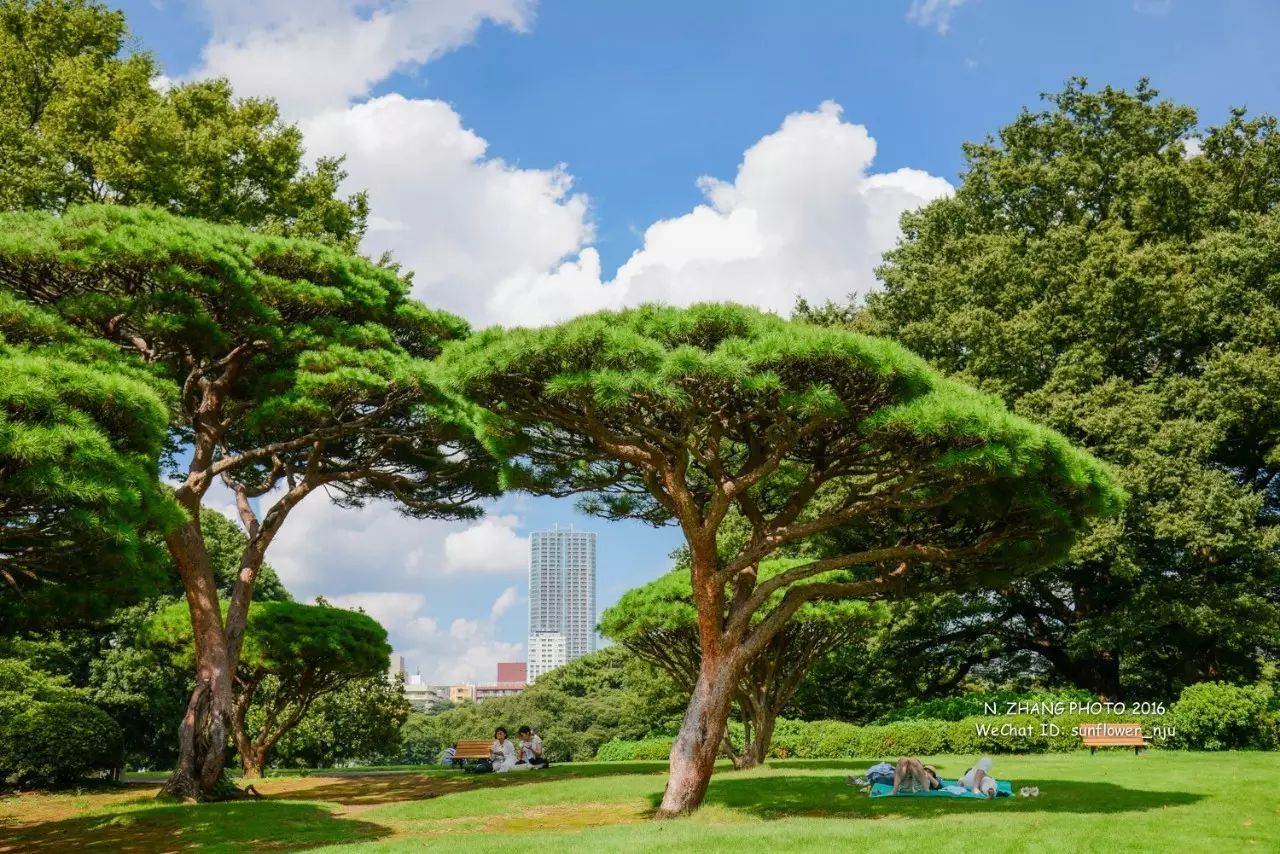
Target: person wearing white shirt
502, 753
530, 744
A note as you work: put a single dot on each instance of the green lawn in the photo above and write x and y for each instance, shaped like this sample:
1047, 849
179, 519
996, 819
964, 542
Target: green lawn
1162, 801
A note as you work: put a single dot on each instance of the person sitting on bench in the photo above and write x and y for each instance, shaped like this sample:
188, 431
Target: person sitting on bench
910, 775
502, 755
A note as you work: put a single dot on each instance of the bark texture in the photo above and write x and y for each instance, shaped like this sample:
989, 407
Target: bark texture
203, 732
693, 755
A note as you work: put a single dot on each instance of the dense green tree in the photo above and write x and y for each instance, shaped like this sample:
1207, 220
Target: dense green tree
82, 120
293, 654
295, 368
1113, 270
659, 623
926, 649
682, 415
144, 692
575, 708
358, 722
81, 431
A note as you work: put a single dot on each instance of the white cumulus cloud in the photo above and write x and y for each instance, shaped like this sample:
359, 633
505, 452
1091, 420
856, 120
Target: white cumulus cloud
489, 546
804, 216
392, 610
504, 603
461, 221
467, 651
315, 54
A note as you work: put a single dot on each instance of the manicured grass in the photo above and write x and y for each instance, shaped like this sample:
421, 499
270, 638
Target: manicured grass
1110, 802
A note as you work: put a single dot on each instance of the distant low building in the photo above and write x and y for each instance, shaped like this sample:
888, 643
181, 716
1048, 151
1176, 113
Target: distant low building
458, 693
422, 696
510, 682
498, 689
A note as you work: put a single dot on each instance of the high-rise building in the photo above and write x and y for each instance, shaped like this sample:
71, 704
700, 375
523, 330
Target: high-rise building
396, 666
562, 596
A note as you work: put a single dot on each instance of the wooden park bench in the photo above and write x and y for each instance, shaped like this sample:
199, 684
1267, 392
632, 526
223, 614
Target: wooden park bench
1113, 735
476, 749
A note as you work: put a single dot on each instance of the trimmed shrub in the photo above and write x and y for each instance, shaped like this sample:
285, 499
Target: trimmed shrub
617, 750
1218, 716
786, 735
55, 744
906, 738
653, 749
826, 740
1005, 734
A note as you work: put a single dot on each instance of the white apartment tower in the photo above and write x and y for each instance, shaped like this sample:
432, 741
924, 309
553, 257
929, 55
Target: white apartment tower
562, 598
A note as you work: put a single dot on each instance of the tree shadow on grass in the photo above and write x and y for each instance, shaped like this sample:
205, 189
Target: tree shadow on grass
269, 825
780, 797
371, 790
823, 764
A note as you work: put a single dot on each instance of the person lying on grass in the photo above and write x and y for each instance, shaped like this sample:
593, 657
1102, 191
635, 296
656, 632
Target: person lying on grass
910, 775
978, 778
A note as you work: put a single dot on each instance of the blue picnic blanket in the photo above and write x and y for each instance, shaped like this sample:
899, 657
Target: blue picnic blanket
1004, 788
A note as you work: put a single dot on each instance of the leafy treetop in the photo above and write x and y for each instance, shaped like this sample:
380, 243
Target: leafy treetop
679, 415
83, 121
81, 431
665, 605
294, 365
289, 640
1112, 269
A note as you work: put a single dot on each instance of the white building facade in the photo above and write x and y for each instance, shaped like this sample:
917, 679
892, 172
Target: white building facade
546, 652
562, 598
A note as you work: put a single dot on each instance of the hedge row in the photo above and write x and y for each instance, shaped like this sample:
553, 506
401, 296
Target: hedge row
618, 750
1208, 716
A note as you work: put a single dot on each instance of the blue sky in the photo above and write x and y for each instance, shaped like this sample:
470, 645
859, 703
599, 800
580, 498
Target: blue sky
518, 155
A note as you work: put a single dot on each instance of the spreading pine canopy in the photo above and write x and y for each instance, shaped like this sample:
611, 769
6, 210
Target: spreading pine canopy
787, 417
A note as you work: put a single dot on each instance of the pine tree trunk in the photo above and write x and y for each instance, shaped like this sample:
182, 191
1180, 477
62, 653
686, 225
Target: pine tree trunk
755, 751
253, 759
693, 755
757, 721
203, 733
